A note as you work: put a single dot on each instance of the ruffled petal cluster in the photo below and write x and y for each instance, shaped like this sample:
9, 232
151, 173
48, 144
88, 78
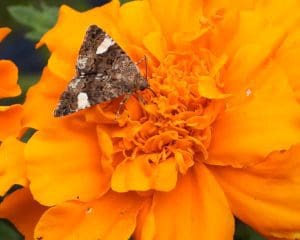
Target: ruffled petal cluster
216, 137
12, 162
19, 206
10, 116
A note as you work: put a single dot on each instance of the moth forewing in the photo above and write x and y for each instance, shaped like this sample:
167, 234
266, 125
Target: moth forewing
103, 72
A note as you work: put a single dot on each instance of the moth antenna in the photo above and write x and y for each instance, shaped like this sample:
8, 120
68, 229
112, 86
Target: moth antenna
144, 59
121, 105
146, 67
152, 91
146, 72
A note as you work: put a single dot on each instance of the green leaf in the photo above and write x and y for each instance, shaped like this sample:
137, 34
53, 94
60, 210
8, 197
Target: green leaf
8, 231
39, 20
124, 1
34, 35
244, 232
25, 81
28, 134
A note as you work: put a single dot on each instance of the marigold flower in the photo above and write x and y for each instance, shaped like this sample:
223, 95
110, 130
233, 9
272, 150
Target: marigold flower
10, 116
12, 164
220, 138
19, 206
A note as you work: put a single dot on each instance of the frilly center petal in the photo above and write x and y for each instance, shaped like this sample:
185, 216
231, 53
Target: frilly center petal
165, 129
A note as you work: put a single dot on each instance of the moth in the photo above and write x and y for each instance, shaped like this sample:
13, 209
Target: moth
103, 72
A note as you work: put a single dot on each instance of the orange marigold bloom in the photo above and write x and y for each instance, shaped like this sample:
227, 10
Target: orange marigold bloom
19, 206
10, 116
12, 164
220, 138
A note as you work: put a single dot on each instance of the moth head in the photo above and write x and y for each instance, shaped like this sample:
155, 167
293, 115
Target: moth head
143, 85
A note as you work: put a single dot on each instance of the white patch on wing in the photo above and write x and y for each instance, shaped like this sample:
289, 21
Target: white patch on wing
104, 46
74, 83
81, 62
82, 101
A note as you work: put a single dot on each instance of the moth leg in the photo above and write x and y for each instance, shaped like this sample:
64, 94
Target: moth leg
121, 105
152, 91
141, 99
146, 67
146, 73
143, 59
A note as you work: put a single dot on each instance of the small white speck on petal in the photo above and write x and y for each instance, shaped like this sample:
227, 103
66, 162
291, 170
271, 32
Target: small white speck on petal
89, 210
248, 92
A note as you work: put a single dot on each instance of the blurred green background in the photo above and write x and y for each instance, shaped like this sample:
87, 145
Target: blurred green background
29, 19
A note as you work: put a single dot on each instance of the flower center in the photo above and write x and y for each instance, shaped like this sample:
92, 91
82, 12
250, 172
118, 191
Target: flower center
177, 121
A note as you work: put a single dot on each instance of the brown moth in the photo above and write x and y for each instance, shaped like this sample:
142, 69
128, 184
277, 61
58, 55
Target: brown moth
103, 72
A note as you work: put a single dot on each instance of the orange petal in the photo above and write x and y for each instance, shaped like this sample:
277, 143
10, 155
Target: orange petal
175, 17
10, 120
42, 99
69, 17
62, 64
9, 77
133, 16
20, 208
65, 164
134, 109
250, 59
145, 228
12, 164
215, 4
273, 11
254, 124
141, 175
239, 27
109, 218
3, 32
207, 88
106, 146
156, 44
262, 194
254, 49
288, 55
247, 23
193, 209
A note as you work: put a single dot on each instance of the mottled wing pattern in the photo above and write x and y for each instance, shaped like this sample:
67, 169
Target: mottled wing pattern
103, 72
